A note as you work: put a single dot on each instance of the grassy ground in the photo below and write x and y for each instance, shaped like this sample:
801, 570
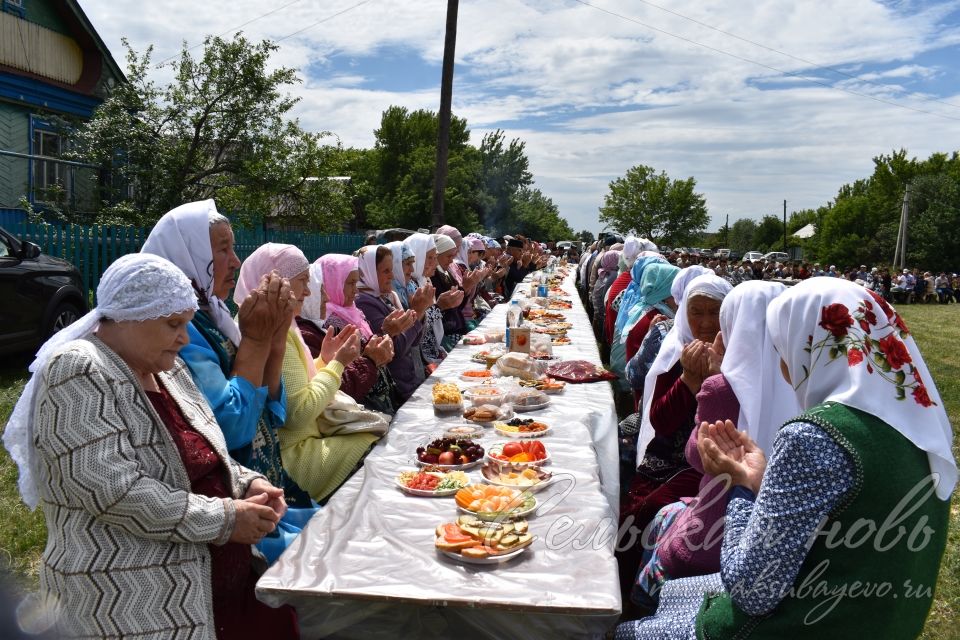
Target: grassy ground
936, 328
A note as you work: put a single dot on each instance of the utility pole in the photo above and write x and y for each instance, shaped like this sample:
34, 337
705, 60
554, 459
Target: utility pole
784, 226
726, 233
900, 253
446, 101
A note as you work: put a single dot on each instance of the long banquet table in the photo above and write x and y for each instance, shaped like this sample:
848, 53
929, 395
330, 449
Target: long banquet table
366, 567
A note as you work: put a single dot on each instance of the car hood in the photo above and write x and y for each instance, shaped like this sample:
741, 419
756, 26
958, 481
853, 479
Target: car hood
44, 259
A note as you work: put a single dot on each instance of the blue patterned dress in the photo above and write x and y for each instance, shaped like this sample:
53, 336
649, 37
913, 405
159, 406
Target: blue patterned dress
766, 537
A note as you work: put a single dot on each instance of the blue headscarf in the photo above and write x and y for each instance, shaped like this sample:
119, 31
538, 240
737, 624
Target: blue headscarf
654, 289
400, 253
632, 294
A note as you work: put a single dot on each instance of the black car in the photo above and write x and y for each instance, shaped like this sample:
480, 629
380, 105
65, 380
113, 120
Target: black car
39, 295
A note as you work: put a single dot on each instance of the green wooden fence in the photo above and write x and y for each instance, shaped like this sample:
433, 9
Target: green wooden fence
94, 248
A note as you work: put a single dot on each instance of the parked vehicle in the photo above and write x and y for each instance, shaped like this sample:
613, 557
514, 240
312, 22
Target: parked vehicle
39, 294
776, 256
722, 253
753, 255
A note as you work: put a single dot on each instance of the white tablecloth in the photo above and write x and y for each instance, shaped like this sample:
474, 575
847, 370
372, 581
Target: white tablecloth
366, 566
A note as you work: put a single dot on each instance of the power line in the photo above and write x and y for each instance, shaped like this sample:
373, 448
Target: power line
764, 65
233, 29
264, 15
790, 55
322, 20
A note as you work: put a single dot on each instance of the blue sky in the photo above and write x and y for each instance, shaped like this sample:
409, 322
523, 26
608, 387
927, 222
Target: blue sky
593, 94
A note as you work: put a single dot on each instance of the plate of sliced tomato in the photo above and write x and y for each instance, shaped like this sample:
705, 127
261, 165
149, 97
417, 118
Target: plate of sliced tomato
530, 453
431, 484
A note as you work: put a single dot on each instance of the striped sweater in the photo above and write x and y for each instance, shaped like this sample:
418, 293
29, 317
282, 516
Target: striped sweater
126, 550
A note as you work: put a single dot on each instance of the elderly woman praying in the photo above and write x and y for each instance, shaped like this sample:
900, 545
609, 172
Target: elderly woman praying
143, 504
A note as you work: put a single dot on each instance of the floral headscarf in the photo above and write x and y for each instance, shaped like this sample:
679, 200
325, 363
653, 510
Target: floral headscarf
846, 344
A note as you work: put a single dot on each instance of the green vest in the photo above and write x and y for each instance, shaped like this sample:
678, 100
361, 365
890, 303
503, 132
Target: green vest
873, 562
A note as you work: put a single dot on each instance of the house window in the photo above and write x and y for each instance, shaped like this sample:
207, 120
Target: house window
52, 181
15, 7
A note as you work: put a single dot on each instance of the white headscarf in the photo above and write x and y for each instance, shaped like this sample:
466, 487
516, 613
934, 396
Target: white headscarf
751, 365
420, 244
647, 245
136, 287
312, 304
367, 263
706, 284
845, 344
182, 236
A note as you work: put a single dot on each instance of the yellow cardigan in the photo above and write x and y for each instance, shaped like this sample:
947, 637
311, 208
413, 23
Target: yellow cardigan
317, 463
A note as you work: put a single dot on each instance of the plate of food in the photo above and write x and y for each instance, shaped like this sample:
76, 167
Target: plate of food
474, 541
545, 384
476, 375
522, 428
487, 356
484, 394
561, 341
488, 502
530, 400
431, 484
521, 453
507, 475
487, 414
447, 397
450, 454
551, 330
543, 355
464, 431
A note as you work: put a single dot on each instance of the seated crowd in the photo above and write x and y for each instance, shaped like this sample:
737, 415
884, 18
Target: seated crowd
755, 459
906, 286
174, 444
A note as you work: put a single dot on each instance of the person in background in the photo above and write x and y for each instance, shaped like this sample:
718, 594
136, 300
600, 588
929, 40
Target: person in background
449, 291
828, 474
360, 376
326, 434
141, 499
424, 249
520, 266
688, 533
943, 288
237, 368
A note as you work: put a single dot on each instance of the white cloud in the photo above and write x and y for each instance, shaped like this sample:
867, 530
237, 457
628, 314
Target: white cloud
592, 94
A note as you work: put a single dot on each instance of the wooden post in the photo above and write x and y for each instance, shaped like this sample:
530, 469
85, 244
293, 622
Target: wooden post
446, 102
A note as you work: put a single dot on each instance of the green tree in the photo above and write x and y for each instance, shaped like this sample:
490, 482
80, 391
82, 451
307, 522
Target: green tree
741, 235
405, 159
536, 216
586, 237
664, 210
218, 130
933, 239
504, 174
769, 234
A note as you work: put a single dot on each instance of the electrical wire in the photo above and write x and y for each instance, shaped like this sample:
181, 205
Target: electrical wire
321, 21
764, 65
233, 29
790, 55
264, 15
